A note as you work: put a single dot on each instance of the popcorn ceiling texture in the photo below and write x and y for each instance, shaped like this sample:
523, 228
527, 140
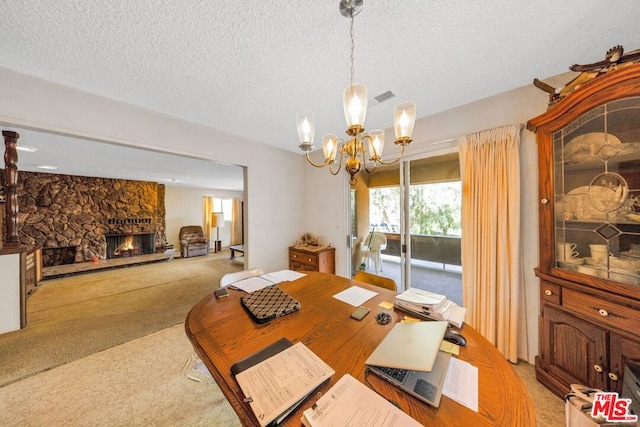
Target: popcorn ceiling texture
246, 67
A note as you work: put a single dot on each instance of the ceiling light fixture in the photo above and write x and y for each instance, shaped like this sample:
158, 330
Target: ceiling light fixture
355, 109
26, 148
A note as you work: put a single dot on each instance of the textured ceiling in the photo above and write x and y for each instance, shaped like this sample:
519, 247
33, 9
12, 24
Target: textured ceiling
246, 67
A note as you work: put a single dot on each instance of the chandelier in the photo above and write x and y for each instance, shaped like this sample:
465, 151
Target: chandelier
355, 109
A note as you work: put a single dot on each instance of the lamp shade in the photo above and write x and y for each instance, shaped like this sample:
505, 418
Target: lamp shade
330, 146
404, 117
376, 145
306, 127
354, 100
217, 220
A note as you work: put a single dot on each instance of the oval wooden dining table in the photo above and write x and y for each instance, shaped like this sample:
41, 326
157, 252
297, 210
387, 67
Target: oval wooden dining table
222, 333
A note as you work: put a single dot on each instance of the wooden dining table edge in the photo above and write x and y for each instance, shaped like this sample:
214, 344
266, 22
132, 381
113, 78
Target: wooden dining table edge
244, 415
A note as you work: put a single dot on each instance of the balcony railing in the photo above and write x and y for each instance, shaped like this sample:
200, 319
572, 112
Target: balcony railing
441, 249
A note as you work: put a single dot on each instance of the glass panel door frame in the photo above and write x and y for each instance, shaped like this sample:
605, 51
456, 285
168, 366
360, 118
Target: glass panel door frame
436, 149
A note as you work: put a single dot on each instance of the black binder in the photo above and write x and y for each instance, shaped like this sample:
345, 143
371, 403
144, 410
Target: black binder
259, 356
269, 303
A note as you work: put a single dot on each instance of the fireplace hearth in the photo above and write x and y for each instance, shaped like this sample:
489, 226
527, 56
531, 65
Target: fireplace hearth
130, 245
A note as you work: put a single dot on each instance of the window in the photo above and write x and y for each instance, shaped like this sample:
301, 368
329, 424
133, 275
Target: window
434, 209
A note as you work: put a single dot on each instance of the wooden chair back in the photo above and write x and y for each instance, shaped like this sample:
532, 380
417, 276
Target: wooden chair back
373, 279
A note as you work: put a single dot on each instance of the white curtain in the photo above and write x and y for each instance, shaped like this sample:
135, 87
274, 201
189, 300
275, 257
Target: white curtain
492, 277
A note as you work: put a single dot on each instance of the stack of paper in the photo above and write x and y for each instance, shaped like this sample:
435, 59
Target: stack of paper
351, 403
430, 305
277, 385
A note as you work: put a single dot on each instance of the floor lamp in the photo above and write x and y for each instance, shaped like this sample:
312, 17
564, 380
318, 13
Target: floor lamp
217, 221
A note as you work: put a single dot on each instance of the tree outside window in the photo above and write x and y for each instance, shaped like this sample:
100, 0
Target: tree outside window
434, 209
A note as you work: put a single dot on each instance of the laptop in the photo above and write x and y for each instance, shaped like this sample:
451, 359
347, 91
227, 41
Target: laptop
409, 358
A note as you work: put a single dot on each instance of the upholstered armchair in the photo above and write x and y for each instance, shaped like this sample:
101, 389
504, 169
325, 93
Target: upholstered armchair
193, 242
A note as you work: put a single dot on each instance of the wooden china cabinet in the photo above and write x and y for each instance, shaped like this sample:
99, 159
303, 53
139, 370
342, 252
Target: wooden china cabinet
589, 207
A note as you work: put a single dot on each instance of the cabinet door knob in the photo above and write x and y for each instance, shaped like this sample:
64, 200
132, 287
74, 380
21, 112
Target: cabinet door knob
544, 201
614, 377
597, 368
548, 293
603, 312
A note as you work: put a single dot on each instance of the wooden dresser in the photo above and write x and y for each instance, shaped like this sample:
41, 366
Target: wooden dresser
589, 207
310, 258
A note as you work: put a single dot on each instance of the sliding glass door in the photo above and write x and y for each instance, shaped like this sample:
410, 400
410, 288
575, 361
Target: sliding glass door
416, 205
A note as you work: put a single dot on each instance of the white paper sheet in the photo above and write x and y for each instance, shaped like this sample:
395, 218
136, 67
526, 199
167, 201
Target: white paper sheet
355, 295
251, 284
277, 383
461, 383
351, 403
283, 276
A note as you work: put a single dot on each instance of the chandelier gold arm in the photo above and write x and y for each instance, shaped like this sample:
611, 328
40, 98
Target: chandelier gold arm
375, 165
329, 162
382, 162
341, 151
363, 151
326, 162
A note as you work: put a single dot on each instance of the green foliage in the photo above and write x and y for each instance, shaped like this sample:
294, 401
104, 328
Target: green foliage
434, 208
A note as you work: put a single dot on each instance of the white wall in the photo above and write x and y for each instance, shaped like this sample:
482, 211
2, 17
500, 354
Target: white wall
325, 194
274, 185
9, 292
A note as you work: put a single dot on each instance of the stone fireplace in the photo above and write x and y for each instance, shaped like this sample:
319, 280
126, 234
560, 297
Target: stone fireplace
60, 255
73, 217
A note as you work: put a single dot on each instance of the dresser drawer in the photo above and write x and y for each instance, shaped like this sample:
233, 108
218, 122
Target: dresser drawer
550, 292
304, 258
602, 311
313, 259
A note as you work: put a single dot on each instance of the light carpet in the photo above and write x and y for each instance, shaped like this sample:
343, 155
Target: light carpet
133, 384
72, 317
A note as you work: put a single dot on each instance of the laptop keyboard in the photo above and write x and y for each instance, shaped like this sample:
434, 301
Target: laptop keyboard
396, 373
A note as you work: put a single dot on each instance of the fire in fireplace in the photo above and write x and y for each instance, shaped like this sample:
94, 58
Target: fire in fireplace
129, 245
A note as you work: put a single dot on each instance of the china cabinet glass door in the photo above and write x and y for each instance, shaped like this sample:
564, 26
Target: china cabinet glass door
597, 191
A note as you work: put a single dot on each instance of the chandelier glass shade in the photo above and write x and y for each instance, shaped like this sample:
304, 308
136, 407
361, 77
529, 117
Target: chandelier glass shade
354, 149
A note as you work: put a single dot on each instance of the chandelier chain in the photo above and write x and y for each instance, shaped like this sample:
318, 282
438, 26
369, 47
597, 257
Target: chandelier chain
352, 46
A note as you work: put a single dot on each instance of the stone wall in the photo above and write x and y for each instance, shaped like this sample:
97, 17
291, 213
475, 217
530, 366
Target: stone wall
61, 211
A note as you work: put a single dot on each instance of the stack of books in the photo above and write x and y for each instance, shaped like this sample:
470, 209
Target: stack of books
429, 305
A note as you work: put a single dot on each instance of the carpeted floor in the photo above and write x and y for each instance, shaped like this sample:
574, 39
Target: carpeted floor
73, 317
139, 383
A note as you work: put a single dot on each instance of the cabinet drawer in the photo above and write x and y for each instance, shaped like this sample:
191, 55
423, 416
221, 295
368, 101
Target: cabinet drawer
300, 257
550, 292
600, 310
